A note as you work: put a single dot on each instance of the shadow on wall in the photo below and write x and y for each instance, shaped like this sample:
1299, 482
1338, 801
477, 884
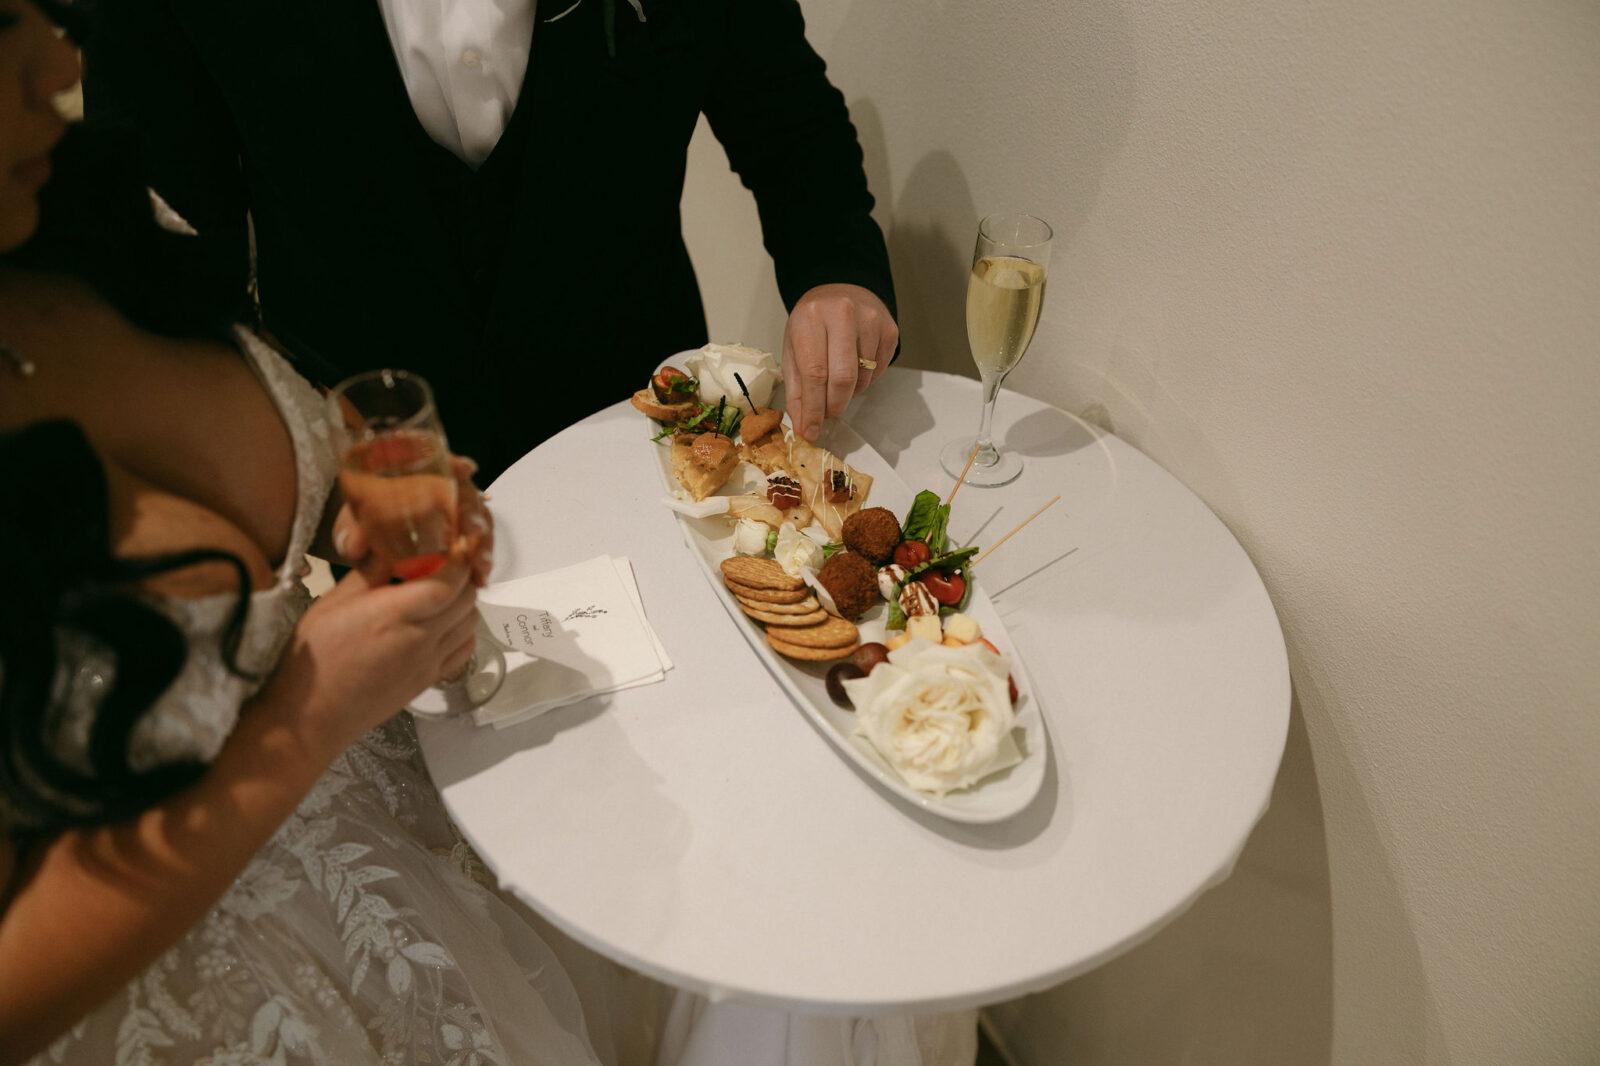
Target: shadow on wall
930, 265
929, 268
927, 71
1397, 1017
1244, 977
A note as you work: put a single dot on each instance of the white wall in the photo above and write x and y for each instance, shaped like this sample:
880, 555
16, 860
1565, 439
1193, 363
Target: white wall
1337, 267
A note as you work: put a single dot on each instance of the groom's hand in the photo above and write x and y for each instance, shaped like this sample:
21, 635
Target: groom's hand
839, 340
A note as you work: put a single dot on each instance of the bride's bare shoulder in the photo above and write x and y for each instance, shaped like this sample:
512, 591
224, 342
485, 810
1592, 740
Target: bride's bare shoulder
156, 410
92, 364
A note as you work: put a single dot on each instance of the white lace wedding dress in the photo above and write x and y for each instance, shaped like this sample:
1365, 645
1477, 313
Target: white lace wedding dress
366, 934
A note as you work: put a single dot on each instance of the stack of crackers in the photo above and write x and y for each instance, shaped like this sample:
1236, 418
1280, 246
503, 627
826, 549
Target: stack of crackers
797, 626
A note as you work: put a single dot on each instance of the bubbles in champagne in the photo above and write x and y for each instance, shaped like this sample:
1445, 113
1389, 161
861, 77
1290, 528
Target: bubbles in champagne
1004, 295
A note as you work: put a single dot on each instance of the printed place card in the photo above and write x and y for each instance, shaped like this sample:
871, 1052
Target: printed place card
568, 634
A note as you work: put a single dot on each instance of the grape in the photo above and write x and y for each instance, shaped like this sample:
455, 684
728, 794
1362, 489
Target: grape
838, 674
868, 656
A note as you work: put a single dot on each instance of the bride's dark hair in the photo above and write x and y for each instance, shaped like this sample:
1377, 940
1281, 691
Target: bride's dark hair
77, 649
96, 223
81, 657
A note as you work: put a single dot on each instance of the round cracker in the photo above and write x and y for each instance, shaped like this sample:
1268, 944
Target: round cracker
810, 618
755, 595
803, 606
759, 573
832, 632
800, 651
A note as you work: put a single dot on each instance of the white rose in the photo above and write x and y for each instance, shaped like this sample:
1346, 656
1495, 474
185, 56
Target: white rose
715, 365
796, 551
941, 716
750, 537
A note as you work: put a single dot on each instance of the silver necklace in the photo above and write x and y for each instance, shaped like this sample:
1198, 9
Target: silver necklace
19, 362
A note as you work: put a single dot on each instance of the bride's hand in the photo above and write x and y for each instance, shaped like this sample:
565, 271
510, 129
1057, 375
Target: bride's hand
474, 542
475, 524
364, 650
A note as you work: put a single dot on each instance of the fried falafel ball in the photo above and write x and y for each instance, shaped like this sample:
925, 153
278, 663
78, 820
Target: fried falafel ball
851, 581
873, 532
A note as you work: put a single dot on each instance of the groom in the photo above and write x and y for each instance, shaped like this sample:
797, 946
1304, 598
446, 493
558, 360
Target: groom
487, 192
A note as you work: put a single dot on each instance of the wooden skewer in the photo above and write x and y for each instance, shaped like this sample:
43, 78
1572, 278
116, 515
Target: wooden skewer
963, 476
1008, 536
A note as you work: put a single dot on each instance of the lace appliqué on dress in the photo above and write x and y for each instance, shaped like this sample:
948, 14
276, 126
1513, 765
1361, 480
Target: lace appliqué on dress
349, 940
328, 950
198, 711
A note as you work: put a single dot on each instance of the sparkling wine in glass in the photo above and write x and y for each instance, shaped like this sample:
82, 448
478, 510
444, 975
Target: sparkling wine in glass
395, 473
1004, 294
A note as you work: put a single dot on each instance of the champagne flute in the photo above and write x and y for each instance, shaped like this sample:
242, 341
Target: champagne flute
1004, 294
395, 472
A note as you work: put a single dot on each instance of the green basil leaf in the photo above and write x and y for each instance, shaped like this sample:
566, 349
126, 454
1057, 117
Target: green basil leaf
937, 541
947, 561
922, 516
706, 411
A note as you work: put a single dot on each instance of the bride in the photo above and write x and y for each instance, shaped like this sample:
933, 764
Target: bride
221, 847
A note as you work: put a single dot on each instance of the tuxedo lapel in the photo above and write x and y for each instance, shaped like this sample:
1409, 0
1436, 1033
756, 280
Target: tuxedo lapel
534, 133
315, 81
386, 136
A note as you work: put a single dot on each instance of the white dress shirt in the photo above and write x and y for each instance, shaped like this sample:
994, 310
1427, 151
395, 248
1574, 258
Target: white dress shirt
462, 62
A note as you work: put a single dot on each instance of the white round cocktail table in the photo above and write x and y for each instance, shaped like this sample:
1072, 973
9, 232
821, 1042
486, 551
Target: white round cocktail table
702, 831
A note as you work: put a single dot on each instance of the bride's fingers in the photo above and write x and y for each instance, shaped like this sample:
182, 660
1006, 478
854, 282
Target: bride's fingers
476, 545
475, 523
462, 611
464, 631
349, 539
457, 660
437, 600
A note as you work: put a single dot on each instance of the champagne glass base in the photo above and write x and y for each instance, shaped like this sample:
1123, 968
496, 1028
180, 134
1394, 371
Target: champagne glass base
477, 684
1002, 471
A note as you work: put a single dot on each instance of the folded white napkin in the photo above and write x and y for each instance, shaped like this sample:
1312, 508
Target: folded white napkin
568, 634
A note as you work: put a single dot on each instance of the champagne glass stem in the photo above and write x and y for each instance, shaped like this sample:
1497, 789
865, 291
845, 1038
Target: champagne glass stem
988, 455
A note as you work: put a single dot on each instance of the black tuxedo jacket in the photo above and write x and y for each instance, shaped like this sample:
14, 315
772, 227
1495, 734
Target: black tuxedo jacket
540, 287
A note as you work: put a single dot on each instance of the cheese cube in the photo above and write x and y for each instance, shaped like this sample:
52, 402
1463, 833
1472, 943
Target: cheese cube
925, 626
961, 628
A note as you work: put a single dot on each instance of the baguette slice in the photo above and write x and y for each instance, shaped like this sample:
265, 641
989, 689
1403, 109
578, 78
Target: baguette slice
645, 400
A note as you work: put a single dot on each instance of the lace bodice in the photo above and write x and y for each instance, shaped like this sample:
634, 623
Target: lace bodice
198, 711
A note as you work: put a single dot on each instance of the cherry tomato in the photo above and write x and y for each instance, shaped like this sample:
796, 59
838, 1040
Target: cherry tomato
670, 381
946, 588
911, 553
